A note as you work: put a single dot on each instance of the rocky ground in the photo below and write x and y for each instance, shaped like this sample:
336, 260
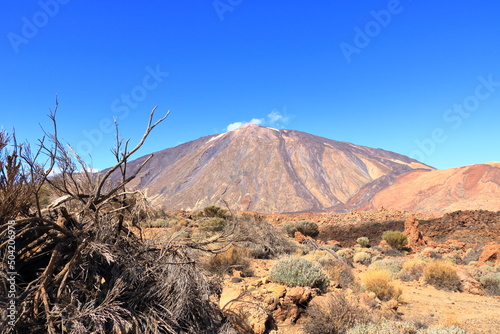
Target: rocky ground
470, 240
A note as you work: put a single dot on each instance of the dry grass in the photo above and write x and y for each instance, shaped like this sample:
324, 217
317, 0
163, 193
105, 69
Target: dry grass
412, 270
442, 275
381, 283
333, 314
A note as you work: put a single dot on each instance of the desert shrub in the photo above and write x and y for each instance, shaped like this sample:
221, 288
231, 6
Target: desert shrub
392, 266
214, 211
225, 262
452, 257
442, 275
290, 229
491, 284
380, 283
362, 257
396, 239
412, 270
214, 224
472, 254
347, 254
160, 222
338, 271
333, 314
261, 239
363, 241
307, 228
295, 271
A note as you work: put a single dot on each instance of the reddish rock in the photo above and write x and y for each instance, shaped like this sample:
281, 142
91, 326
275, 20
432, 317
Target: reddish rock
415, 237
491, 253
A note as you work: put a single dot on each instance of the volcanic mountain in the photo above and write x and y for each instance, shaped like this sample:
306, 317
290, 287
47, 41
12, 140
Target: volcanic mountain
268, 170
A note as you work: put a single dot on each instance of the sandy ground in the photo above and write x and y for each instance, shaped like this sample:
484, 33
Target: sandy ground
476, 314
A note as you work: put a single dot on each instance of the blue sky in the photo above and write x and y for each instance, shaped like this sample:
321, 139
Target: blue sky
420, 78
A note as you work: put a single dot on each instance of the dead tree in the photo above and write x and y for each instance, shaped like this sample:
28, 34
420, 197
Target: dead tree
79, 269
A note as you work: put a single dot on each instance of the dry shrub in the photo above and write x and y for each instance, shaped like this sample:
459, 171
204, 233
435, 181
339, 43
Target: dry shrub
333, 314
79, 268
362, 258
232, 259
491, 284
412, 270
393, 266
381, 283
338, 271
261, 239
442, 275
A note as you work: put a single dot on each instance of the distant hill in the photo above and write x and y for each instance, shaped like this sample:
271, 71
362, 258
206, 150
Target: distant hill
439, 191
269, 170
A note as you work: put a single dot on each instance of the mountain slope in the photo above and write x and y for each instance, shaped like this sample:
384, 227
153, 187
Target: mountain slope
266, 170
439, 191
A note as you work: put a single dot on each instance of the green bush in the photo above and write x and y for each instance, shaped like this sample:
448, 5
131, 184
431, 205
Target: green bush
295, 271
442, 275
214, 211
307, 228
214, 224
363, 241
396, 239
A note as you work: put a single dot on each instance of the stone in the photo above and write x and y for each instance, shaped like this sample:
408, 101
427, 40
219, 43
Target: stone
246, 313
412, 231
491, 253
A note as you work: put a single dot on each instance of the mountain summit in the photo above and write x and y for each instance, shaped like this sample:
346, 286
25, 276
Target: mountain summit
268, 170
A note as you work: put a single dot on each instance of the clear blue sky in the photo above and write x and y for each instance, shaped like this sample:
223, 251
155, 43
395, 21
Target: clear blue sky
421, 78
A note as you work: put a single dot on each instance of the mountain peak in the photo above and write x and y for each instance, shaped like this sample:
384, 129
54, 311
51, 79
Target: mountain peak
268, 170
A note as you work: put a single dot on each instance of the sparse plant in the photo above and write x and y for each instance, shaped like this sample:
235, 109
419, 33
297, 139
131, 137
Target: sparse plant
363, 241
295, 271
392, 266
214, 224
362, 258
347, 254
442, 275
472, 254
229, 260
381, 283
338, 271
214, 211
491, 284
395, 239
412, 270
307, 228
257, 235
333, 314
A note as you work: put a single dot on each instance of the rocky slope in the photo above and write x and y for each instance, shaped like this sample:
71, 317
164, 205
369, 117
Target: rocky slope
439, 191
268, 170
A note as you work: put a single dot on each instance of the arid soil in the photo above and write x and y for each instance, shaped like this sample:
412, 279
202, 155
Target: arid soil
452, 234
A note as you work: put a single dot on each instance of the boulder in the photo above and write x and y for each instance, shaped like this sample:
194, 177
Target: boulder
415, 237
491, 253
246, 313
